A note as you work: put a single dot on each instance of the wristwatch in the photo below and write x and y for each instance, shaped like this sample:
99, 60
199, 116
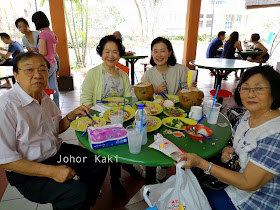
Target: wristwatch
68, 118
209, 168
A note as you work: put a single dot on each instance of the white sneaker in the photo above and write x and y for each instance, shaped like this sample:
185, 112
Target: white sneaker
6, 85
161, 173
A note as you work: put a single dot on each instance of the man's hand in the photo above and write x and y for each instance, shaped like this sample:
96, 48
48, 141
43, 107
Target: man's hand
227, 153
79, 112
63, 173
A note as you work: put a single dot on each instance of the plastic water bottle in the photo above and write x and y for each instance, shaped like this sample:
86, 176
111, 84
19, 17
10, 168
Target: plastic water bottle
141, 113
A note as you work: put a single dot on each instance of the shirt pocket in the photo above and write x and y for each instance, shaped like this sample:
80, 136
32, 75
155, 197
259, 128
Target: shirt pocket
53, 124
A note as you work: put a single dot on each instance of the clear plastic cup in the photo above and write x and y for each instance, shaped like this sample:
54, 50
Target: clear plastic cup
212, 117
207, 107
117, 119
134, 139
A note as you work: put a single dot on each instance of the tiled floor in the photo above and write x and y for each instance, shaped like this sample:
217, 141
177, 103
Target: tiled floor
11, 199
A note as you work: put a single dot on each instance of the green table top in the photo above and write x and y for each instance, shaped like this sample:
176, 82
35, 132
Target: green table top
134, 56
222, 64
152, 157
251, 52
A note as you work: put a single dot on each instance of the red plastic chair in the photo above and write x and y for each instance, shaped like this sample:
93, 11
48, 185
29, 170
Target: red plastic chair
49, 91
123, 67
221, 95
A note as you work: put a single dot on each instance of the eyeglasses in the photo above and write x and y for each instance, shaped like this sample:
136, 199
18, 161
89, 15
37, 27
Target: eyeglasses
256, 90
30, 72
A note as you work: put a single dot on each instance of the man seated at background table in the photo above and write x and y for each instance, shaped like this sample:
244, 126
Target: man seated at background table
118, 35
14, 49
215, 44
37, 163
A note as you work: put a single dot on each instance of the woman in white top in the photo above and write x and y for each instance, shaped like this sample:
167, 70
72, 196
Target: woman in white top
165, 73
31, 38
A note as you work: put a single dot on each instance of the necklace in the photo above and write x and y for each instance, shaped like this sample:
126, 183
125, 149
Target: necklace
252, 122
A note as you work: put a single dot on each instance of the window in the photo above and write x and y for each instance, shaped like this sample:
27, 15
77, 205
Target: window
238, 18
201, 15
208, 23
228, 23
200, 23
209, 15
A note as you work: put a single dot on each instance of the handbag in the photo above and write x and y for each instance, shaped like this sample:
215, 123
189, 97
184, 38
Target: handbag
235, 114
212, 182
180, 191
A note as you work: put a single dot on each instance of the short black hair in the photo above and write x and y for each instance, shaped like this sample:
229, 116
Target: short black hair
21, 20
25, 56
172, 59
221, 33
40, 20
110, 38
255, 37
5, 35
272, 76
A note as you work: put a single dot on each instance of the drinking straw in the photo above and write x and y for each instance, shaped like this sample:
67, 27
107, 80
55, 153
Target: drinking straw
136, 77
190, 75
141, 121
182, 84
123, 108
214, 100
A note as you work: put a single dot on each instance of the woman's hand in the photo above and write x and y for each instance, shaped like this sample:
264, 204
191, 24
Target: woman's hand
161, 88
227, 153
79, 112
192, 160
63, 173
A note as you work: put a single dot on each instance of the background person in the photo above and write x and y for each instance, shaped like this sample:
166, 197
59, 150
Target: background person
47, 43
107, 80
215, 44
30, 38
230, 47
118, 35
13, 49
262, 58
256, 141
30, 150
165, 72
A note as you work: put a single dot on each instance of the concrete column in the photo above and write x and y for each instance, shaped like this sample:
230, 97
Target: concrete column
65, 81
191, 32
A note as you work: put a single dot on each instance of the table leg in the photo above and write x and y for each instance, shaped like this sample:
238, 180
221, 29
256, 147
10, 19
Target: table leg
150, 175
132, 72
218, 78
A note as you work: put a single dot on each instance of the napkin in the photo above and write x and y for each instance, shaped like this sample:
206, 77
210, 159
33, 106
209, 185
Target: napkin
100, 108
166, 147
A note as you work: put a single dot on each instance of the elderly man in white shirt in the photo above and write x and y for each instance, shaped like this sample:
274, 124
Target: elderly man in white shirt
37, 163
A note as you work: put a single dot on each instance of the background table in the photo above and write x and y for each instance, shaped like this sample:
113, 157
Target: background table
6, 72
245, 53
152, 157
132, 59
220, 65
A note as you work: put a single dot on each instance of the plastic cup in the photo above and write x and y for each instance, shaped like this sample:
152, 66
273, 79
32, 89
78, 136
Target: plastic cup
207, 107
195, 112
213, 118
134, 139
117, 119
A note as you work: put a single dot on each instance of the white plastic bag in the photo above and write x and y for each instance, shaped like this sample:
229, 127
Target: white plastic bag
181, 191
